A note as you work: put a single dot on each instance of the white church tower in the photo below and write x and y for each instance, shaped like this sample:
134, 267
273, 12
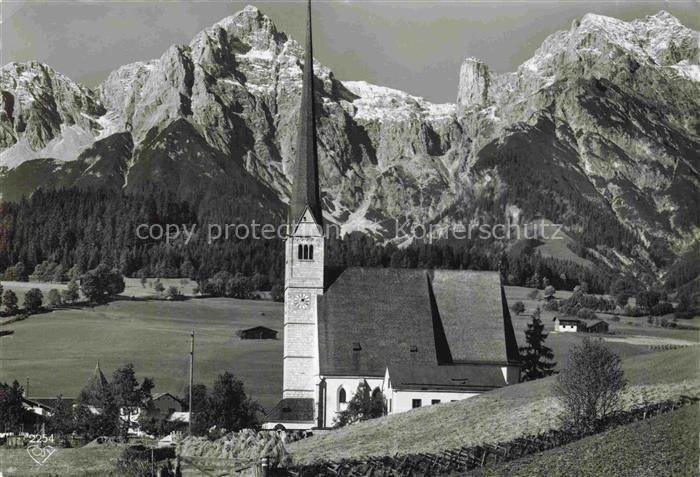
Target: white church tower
304, 254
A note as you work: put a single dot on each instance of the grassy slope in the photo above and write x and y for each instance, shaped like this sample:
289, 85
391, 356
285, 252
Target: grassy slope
58, 350
663, 445
88, 462
499, 415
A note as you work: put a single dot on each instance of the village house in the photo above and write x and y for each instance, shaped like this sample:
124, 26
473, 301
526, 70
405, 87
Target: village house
416, 337
165, 404
44, 406
564, 325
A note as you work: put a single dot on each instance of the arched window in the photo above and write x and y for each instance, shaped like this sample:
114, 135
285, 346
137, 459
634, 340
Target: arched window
342, 397
305, 252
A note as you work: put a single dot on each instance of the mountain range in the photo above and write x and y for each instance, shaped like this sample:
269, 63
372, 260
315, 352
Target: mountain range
598, 131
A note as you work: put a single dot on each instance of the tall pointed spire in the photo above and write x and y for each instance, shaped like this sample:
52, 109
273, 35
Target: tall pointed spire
305, 189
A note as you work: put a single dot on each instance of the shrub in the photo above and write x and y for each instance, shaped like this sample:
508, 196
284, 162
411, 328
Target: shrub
634, 311
552, 305
173, 293
615, 318
662, 308
518, 307
17, 273
277, 292
589, 386
158, 286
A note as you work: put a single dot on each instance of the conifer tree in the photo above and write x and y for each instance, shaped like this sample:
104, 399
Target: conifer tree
9, 298
536, 357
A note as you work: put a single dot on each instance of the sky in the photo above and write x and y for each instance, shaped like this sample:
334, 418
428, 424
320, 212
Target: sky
415, 46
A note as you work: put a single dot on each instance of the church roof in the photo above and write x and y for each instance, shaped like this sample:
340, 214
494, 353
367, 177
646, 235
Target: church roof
460, 377
292, 410
97, 381
370, 318
305, 187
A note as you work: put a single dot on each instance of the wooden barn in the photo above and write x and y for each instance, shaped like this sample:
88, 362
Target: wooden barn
600, 327
258, 333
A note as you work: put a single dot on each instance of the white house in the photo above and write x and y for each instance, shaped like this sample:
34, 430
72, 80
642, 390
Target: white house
568, 325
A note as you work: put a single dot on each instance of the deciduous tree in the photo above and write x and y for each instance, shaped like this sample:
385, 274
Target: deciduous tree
60, 421
102, 282
364, 405
230, 407
624, 287
13, 415
589, 386
128, 394
72, 292
518, 307
33, 300
53, 298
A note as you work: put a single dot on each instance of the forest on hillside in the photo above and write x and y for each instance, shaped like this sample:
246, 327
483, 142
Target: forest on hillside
81, 229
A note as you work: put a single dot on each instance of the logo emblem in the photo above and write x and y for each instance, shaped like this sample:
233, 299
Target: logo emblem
39, 451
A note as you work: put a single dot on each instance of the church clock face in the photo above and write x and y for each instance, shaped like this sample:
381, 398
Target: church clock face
301, 301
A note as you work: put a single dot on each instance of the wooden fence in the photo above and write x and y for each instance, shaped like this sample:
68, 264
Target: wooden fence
468, 458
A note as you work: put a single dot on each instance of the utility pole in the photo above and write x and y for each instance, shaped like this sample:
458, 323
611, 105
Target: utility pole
189, 424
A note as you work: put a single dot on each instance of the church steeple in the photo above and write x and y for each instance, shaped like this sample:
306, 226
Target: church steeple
305, 189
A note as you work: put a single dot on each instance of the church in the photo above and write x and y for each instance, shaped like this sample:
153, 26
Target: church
418, 337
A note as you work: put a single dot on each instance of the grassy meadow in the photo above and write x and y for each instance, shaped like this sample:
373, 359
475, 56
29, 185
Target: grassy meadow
663, 445
58, 350
85, 461
499, 415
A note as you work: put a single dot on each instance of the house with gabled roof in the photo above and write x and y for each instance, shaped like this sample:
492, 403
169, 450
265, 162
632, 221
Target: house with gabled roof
414, 337
568, 325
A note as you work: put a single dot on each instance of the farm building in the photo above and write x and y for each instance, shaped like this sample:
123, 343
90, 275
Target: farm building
166, 404
415, 336
600, 327
258, 333
44, 406
572, 326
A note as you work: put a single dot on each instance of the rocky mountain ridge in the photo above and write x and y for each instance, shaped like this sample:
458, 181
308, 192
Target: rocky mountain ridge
602, 121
